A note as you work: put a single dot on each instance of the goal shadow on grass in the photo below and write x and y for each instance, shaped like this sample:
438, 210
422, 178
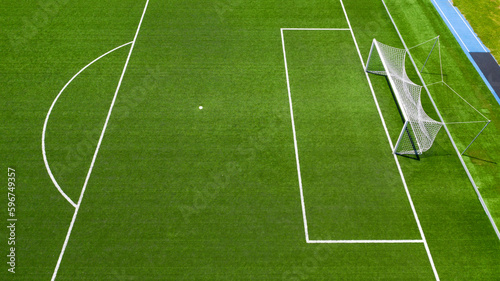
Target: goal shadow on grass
478, 159
410, 156
437, 149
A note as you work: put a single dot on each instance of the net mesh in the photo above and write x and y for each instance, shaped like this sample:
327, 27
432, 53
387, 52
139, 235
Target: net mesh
421, 130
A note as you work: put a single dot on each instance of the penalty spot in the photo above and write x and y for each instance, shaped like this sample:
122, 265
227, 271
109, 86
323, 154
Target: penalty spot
200, 107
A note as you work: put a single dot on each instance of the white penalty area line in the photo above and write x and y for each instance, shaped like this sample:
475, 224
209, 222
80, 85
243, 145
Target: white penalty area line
422, 235
364, 241
304, 216
302, 201
98, 145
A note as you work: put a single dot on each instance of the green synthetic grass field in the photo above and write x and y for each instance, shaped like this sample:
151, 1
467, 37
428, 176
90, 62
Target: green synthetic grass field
182, 193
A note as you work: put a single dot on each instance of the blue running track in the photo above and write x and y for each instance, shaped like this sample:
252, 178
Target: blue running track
475, 50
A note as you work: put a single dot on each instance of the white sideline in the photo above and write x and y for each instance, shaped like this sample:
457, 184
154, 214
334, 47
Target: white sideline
49, 171
98, 145
392, 147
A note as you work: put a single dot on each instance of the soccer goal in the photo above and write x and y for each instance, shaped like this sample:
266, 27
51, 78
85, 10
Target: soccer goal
419, 130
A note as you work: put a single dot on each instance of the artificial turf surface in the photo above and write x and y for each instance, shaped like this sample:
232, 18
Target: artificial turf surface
182, 193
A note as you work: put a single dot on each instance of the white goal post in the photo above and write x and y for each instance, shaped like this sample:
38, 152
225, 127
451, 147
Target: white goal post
419, 130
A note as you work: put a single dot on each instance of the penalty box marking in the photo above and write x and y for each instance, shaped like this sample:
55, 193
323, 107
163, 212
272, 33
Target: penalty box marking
304, 216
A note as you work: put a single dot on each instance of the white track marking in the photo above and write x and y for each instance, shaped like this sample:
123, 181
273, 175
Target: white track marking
451, 25
392, 146
49, 171
364, 241
483, 204
295, 141
468, 27
98, 145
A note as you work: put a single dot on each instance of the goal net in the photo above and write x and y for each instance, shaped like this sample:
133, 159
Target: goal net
419, 130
